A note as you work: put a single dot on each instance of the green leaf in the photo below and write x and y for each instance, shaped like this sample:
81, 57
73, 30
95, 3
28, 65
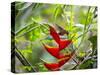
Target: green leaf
27, 67
93, 40
22, 5
58, 11
41, 67
33, 31
88, 64
26, 51
24, 29
25, 11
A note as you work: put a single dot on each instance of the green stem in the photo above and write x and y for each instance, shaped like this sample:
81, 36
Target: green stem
84, 29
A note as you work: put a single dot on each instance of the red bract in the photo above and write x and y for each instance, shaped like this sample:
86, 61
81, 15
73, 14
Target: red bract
55, 51
64, 43
54, 34
61, 62
65, 58
52, 50
52, 66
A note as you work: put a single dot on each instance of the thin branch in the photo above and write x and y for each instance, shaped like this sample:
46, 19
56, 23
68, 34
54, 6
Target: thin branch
23, 60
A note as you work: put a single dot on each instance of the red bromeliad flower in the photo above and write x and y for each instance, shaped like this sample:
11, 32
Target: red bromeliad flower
55, 51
